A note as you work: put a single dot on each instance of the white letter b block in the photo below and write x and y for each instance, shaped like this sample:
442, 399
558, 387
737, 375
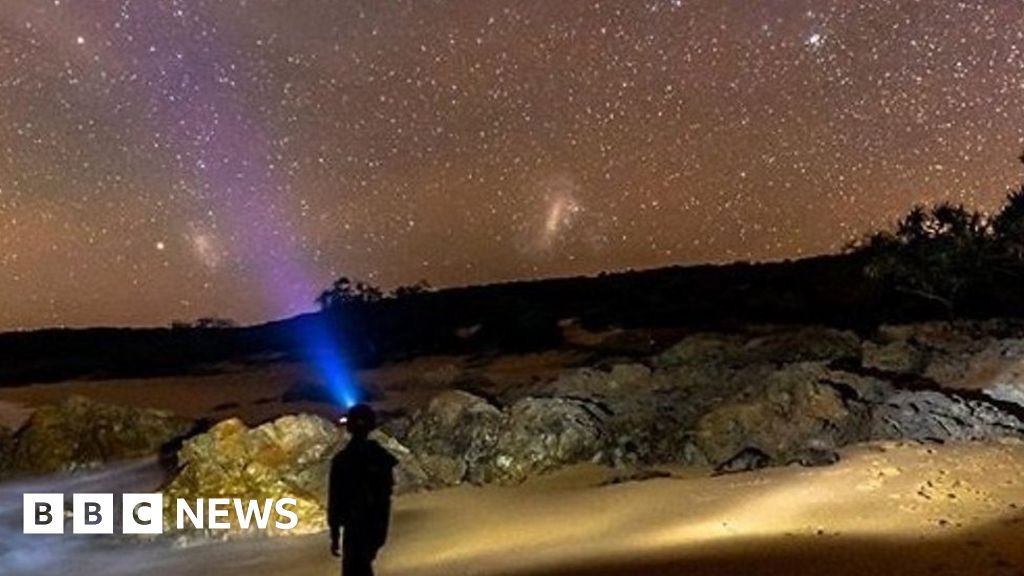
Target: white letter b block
43, 513
93, 514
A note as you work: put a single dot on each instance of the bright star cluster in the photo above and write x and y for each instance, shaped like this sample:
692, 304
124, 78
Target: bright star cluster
172, 159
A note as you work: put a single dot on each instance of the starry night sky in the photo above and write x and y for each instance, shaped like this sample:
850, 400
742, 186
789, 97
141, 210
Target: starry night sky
168, 160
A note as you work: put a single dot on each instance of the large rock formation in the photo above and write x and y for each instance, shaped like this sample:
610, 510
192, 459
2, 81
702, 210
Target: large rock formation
543, 434
952, 355
644, 414
456, 435
79, 433
286, 458
800, 407
776, 346
462, 437
939, 416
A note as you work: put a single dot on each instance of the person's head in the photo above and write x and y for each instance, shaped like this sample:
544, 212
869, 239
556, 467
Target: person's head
361, 420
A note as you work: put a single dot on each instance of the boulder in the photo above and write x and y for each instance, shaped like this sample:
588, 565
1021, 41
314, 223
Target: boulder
704, 349
460, 437
79, 433
455, 436
412, 473
642, 412
776, 346
621, 381
746, 460
543, 434
286, 458
1012, 392
939, 416
999, 369
899, 356
800, 406
803, 344
952, 355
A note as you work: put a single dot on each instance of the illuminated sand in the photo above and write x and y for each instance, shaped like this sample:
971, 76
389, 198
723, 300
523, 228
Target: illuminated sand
922, 508
885, 509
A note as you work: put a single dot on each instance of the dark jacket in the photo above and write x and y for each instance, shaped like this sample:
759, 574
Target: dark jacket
359, 499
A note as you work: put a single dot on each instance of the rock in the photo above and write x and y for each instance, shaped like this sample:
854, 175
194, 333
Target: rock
78, 433
544, 434
286, 458
623, 380
443, 470
643, 415
814, 457
458, 431
938, 416
777, 346
899, 356
986, 363
412, 473
705, 349
999, 369
802, 405
804, 344
461, 437
952, 355
745, 460
1007, 392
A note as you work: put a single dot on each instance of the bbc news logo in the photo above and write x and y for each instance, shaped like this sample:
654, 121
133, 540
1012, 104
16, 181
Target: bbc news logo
144, 513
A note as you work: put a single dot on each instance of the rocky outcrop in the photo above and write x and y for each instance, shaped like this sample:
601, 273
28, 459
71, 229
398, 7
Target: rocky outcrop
899, 356
939, 416
952, 355
462, 437
542, 434
1011, 392
644, 413
733, 401
777, 346
78, 433
457, 434
286, 458
802, 406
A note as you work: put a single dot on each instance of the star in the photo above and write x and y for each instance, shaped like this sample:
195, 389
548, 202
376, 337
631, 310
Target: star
509, 141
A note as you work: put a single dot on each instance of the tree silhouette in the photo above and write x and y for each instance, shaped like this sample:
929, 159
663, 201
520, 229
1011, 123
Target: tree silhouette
205, 323
345, 291
934, 253
420, 287
1008, 226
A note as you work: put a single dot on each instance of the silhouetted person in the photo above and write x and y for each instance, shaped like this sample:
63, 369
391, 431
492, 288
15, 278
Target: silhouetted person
359, 501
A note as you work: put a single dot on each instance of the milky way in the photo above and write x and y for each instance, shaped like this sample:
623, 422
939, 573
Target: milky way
165, 160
